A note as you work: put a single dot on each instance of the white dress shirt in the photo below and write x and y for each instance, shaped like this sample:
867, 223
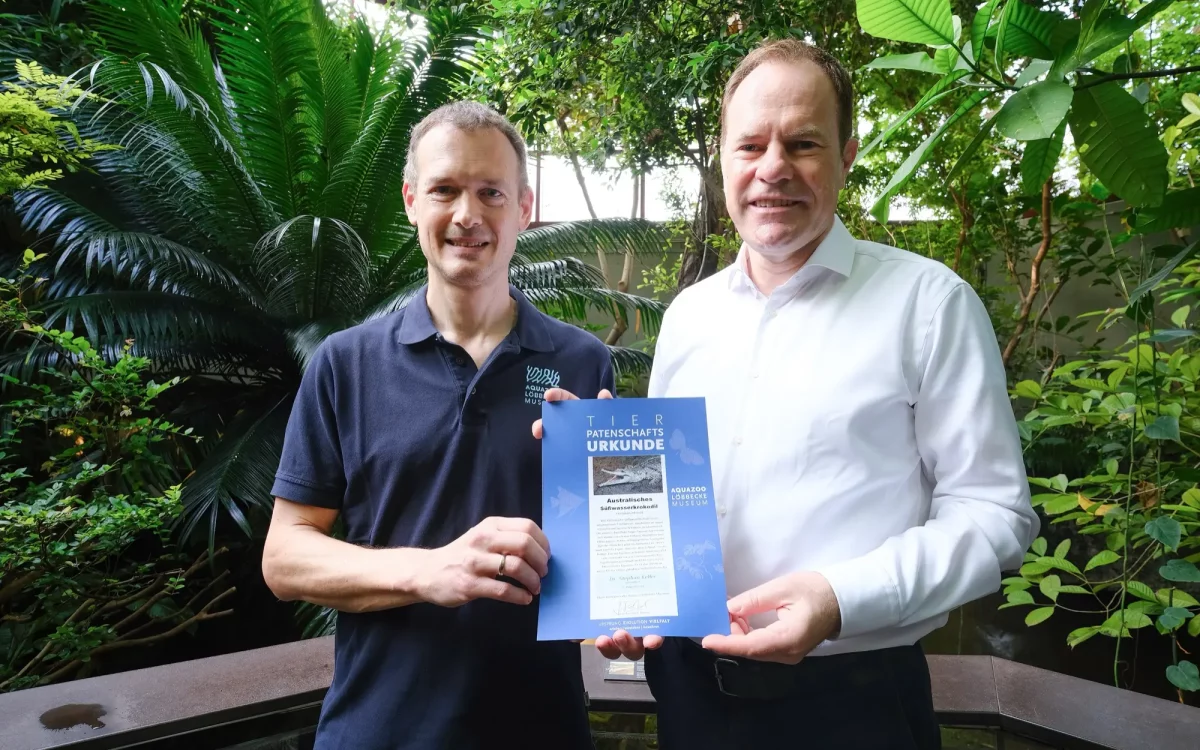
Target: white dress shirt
859, 426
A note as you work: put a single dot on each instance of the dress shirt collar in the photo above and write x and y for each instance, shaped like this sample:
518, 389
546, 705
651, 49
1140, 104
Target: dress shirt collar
835, 253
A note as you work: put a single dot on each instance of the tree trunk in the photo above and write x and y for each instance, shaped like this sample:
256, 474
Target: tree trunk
619, 324
1035, 275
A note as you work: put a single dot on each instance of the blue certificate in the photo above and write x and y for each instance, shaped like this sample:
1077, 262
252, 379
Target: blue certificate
628, 508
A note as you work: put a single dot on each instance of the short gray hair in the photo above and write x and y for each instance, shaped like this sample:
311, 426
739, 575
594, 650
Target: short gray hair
468, 116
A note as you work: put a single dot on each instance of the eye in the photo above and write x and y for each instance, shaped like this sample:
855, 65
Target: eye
442, 191
492, 195
748, 147
805, 145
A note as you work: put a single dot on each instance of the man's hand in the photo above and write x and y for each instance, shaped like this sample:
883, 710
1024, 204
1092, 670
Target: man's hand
470, 566
622, 643
560, 394
808, 614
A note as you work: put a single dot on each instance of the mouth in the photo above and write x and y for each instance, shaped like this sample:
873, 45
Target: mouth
466, 243
774, 203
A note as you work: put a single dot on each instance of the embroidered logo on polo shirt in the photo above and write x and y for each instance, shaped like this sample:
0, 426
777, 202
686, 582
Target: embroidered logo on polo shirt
537, 380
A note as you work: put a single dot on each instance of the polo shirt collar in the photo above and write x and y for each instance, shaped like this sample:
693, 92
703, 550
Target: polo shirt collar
836, 253
531, 331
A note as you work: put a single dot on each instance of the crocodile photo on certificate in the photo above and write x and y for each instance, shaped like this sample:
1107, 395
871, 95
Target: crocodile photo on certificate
629, 511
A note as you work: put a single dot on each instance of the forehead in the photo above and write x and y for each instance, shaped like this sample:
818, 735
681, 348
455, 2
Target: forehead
778, 93
449, 152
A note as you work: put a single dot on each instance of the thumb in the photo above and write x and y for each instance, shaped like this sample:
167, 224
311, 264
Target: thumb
764, 598
604, 394
559, 394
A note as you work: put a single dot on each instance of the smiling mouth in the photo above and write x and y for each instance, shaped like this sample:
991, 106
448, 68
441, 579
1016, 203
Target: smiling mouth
470, 244
774, 203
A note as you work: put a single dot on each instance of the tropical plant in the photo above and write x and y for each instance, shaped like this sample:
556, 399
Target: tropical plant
255, 207
87, 496
1133, 412
1041, 63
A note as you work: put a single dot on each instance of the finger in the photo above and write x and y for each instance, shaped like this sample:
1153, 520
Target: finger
765, 598
652, 642
530, 530
514, 568
490, 588
604, 394
738, 626
607, 648
631, 647
764, 644
559, 394
537, 429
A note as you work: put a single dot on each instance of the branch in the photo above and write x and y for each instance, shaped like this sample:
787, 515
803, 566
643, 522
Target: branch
46, 648
1034, 276
12, 588
1144, 74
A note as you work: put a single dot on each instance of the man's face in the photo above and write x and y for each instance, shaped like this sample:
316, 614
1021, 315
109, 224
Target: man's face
468, 205
781, 159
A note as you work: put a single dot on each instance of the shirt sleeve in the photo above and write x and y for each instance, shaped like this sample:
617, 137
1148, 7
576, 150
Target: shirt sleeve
310, 467
981, 519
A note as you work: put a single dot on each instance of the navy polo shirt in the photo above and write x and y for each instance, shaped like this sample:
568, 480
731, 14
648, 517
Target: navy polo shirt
396, 428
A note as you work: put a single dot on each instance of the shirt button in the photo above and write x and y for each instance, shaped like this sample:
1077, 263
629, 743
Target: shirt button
721, 509
737, 440
472, 391
754, 374
459, 361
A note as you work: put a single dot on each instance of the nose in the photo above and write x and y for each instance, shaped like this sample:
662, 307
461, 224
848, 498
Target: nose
467, 213
773, 165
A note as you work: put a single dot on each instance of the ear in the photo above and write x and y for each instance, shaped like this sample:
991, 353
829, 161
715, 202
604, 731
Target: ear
849, 154
410, 197
526, 203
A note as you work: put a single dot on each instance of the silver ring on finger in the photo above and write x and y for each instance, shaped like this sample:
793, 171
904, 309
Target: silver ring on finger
500, 570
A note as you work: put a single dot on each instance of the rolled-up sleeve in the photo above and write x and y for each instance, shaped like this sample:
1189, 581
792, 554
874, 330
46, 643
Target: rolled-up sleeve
981, 520
310, 467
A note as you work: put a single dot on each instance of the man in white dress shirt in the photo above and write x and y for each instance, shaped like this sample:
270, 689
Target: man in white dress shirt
867, 467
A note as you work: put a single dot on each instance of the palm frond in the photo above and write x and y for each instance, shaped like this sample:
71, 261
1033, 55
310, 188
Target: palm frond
239, 471
313, 267
582, 239
627, 361
400, 295
267, 53
573, 302
555, 274
334, 100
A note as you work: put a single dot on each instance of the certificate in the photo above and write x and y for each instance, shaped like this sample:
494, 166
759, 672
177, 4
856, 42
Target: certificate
628, 508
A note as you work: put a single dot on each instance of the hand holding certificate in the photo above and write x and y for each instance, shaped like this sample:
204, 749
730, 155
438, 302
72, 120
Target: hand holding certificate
629, 512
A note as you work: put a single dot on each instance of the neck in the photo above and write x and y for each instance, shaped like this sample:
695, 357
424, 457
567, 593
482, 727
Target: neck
475, 318
770, 272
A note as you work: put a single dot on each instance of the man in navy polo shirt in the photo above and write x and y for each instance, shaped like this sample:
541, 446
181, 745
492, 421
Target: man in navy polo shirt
414, 428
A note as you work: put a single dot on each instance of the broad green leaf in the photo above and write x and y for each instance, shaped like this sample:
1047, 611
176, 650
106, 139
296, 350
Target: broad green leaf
1141, 591
1034, 112
1020, 597
979, 25
1038, 616
1034, 70
1100, 30
1175, 598
1111, 466
947, 60
1185, 676
1060, 482
1179, 317
1050, 586
1062, 549
1018, 584
1072, 589
1191, 102
1132, 619
1116, 142
1163, 428
969, 152
1165, 530
1039, 546
936, 92
1041, 157
1180, 208
1194, 627
1148, 286
1192, 497
1107, 557
1180, 571
928, 22
1034, 569
1079, 635
902, 175
1059, 564
1028, 389
1025, 31
1061, 505
911, 61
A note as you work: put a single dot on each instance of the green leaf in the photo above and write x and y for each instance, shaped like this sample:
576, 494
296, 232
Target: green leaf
1028, 389
969, 152
1050, 586
936, 92
913, 61
1038, 616
1062, 549
1180, 571
902, 175
1041, 157
928, 22
979, 25
1107, 557
1034, 569
1194, 627
1192, 497
1191, 102
1025, 31
1020, 597
1072, 589
1059, 564
1034, 112
1061, 505
1079, 635
1133, 619
1180, 208
1163, 428
1117, 143
1039, 546
1146, 287
1179, 317
1111, 466
1185, 676
1166, 531
1141, 591
1175, 598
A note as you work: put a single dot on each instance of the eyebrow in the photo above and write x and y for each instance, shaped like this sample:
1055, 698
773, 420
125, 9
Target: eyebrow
800, 133
438, 179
